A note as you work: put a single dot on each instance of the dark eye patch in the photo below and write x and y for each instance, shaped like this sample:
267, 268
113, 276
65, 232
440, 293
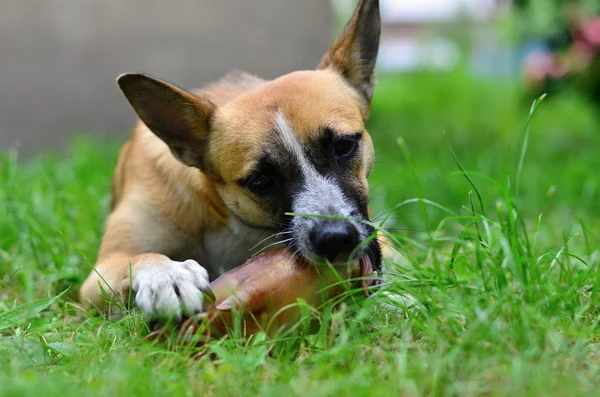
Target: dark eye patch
274, 180
274, 174
332, 150
346, 147
260, 183
264, 180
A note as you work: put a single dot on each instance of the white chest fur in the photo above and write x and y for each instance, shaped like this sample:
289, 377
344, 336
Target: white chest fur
231, 247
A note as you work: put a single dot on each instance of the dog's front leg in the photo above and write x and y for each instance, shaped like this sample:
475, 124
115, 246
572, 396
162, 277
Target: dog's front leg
160, 287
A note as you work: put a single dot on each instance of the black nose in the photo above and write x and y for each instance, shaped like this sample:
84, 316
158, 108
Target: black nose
332, 238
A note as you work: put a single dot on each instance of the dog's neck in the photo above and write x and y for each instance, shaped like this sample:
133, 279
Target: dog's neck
217, 238
225, 249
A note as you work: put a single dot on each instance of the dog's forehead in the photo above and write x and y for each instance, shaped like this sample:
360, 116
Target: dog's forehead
310, 102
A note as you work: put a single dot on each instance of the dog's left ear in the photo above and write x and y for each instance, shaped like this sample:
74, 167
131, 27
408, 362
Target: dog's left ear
176, 116
354, 53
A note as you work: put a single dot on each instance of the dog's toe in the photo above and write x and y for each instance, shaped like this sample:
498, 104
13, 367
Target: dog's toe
169, 289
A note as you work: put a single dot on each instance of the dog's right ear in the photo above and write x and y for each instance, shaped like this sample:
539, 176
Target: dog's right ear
354, 53
179, 118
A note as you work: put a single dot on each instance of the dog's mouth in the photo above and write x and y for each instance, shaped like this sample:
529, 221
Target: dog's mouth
361, 264
366, 272
362, 270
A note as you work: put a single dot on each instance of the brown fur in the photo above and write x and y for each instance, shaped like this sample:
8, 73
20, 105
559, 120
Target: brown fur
151, 187
163, 206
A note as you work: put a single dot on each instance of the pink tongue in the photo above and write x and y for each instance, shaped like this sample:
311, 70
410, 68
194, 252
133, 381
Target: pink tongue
366, 268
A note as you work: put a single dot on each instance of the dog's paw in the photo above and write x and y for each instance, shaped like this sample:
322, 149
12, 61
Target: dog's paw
170, 289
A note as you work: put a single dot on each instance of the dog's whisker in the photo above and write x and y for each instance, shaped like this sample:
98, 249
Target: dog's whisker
274, 244
296, 252
259, 236
269, 237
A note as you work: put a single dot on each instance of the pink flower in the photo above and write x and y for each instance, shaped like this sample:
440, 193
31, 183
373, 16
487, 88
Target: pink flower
590, 31
539, 65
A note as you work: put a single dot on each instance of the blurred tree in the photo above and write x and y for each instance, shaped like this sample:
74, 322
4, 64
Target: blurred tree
569, 52
543, 17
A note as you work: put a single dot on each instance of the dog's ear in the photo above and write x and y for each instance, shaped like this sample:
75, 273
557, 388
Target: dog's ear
179, 118
354, 53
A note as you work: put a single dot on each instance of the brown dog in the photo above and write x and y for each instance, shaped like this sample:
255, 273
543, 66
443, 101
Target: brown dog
210, 178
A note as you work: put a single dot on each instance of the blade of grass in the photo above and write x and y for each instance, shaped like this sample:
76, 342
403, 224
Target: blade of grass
16, 316
416, 180
524, 141
467, 177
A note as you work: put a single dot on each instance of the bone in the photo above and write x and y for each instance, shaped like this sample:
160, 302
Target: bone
264, 291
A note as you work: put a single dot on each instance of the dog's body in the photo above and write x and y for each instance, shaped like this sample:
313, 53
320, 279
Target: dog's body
209, 179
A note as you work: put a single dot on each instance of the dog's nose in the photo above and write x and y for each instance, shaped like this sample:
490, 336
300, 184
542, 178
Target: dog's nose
332, 238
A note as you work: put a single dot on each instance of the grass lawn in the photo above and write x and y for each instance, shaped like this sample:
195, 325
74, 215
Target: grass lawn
500, 270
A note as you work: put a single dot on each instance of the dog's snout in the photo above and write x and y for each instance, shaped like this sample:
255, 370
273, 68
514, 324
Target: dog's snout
333, 238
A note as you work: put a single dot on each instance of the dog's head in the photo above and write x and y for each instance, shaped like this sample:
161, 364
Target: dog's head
296, 144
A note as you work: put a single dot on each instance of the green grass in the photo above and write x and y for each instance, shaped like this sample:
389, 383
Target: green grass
502, 280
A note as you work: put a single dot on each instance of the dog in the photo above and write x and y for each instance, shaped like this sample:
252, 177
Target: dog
211, 177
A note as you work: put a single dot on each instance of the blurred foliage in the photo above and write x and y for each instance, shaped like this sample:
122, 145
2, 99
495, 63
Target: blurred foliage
469, 314
566, 38
481, 119
539, 18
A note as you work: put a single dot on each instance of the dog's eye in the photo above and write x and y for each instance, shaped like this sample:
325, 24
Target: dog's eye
260, 183
345, 147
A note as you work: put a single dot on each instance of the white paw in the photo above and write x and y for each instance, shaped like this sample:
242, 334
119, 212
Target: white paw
168, 289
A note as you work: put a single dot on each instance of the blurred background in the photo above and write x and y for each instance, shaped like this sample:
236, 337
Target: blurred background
456, 82
459, 74
59, 58
463, 72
